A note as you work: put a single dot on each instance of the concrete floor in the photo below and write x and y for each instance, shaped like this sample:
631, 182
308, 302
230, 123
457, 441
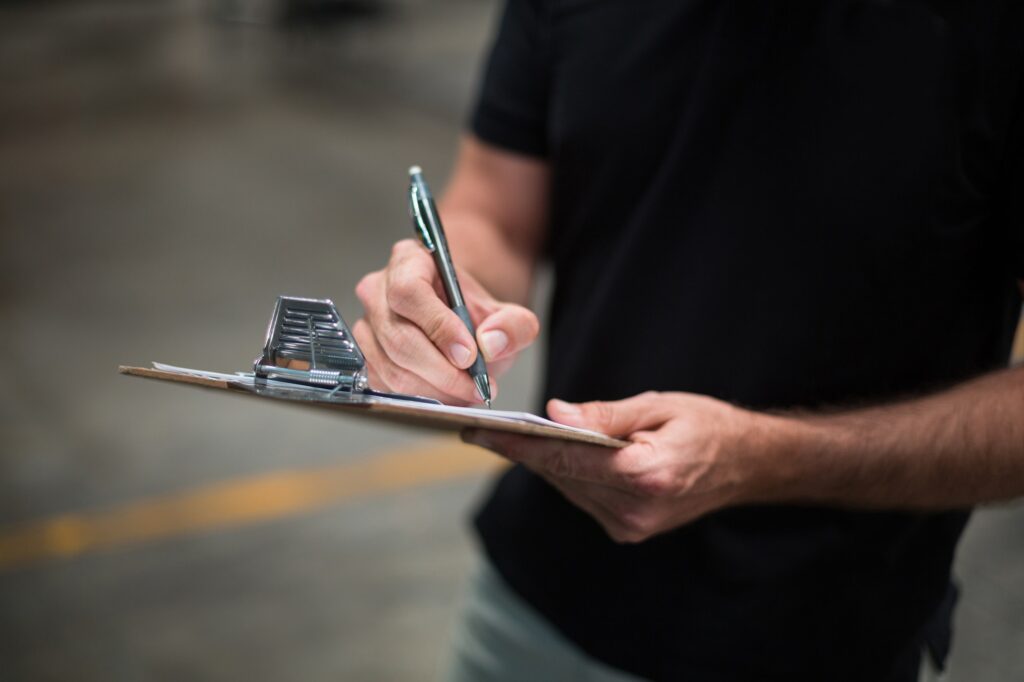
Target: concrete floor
166, 169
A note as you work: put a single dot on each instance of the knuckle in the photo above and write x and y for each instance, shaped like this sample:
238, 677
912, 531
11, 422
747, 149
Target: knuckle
628, 464
652, 484
432, 325
366, 286
439, 326
400, 248
401, 293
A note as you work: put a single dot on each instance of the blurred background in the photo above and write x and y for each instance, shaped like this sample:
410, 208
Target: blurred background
167, 168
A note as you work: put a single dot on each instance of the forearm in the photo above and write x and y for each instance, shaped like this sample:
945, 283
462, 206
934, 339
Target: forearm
495, 213
480, 247
957, 448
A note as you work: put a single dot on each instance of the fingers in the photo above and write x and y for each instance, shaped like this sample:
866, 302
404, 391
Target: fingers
409, 348
385, 375
615, 418
626, 490
406, 360
418, 344
508, 330
411, 293
412, 287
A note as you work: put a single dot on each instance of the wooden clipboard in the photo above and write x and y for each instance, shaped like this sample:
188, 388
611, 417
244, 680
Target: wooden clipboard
412, 414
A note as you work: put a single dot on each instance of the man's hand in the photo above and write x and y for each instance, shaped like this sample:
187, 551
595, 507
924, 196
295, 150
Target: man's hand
693, 454
414, 343
690, 456
494, 211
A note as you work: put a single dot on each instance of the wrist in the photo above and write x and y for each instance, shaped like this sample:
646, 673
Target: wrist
778, 453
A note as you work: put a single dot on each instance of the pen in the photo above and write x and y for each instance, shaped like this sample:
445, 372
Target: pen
428, 226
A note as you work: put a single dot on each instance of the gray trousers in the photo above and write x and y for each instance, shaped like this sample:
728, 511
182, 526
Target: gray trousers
500, 638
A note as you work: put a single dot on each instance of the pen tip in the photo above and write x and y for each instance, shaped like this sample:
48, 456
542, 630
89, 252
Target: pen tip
415, 170
483, 388
488, 403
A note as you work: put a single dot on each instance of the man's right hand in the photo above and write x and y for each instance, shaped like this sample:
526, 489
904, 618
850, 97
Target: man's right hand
415, 344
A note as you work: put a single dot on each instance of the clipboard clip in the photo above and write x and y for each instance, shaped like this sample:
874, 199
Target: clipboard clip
311, 358
310, 331
309, 344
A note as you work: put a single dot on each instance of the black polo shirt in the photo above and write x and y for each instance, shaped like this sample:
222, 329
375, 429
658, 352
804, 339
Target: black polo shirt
782, 204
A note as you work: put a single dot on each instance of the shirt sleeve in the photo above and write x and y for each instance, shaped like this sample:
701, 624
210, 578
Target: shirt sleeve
512, 105
1013, 189
1015, 222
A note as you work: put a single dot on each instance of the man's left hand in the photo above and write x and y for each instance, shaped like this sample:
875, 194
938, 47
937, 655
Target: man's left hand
690, 455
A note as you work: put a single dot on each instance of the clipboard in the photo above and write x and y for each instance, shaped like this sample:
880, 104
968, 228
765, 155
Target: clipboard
310, 359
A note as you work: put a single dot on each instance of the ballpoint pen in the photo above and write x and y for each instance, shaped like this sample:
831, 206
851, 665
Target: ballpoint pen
428, 226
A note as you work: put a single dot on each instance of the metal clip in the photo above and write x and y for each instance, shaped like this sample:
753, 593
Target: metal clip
311, 331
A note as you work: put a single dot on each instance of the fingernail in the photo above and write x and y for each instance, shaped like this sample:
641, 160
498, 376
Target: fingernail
566, 409
493, 343
460, 354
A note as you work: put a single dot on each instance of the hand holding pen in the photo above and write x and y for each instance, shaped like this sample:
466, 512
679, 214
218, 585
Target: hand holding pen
415, 343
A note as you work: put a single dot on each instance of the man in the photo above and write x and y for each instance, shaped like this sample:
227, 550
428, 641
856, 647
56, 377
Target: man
786, 238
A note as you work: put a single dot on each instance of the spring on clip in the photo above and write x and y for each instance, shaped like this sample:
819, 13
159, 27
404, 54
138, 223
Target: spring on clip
325, 377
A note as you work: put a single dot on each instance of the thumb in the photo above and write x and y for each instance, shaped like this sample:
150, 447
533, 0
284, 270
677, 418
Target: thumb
506, 331
616, 417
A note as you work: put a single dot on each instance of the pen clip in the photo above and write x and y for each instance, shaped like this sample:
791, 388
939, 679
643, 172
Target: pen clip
418, 220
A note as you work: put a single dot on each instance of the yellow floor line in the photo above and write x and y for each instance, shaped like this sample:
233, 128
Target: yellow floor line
239, 501
248, 500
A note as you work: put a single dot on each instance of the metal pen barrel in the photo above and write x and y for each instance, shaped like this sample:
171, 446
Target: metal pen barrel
428, 225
